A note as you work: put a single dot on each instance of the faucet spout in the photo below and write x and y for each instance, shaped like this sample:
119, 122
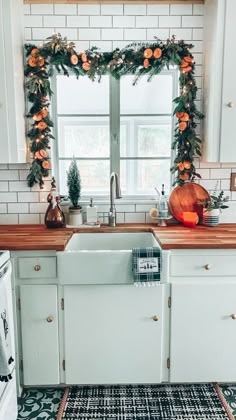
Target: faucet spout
114, 194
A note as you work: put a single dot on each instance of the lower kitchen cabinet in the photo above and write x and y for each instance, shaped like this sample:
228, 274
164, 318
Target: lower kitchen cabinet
39, 332
203, 332
113, 334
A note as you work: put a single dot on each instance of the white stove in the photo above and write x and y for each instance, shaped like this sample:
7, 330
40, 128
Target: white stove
8, 399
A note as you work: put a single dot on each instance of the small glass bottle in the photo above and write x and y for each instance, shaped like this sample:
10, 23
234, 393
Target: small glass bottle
163, 204
54, 217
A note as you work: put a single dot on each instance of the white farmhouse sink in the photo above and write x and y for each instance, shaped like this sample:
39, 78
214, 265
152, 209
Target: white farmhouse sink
100, 258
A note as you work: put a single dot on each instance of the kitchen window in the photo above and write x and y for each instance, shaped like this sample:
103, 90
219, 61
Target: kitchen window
115, 126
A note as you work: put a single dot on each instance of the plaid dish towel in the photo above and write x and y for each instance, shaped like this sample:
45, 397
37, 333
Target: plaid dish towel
146, 266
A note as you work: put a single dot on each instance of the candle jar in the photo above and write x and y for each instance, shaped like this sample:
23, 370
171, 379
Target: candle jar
190, 218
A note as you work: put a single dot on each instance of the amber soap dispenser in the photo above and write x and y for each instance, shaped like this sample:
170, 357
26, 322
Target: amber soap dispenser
54, 217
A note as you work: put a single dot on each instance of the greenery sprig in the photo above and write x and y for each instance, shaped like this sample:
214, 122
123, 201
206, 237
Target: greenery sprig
138, 59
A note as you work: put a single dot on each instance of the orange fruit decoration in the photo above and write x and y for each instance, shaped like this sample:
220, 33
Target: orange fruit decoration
157, 53
37, 117
37, 155
184, 64
32, 61
182, 126
84, 57
188, 59
43, 153
86, 66
40, 61
186, 164
187, 69
179, 115
46, 164
148, 53
74, 59
42, 125
180, 166
146, 63
34, 51
44, 112
185, 117
184, 176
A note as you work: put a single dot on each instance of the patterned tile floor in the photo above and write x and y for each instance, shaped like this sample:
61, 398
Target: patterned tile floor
42, 404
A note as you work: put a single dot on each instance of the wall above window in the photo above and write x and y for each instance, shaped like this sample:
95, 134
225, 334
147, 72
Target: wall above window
116, 1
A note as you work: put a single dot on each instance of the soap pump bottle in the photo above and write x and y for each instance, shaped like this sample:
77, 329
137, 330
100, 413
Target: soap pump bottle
163, 204
92, 213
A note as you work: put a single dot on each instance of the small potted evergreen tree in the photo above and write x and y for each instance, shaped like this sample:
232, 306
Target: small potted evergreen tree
74, 189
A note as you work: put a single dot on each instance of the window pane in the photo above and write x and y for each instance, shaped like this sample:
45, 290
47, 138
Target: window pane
142, 176
94, 176
154, 97
82, 96
145, 137
83, 137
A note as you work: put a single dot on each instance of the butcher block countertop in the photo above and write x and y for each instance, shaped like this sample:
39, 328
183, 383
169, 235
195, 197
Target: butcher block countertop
38, 237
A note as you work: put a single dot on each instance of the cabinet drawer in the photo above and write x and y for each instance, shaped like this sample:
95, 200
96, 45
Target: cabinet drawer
203, 265
41, 267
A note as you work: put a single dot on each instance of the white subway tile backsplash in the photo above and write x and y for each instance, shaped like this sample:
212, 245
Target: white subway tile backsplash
181, 9
33, 21
4, 186
69, 33
102, 45
8, 175
28, 219
120, 217
42, 9
158, 9
181, 33
159, 33
9, 219
28, 197
135, 218
38, 207
65, 9
89, 9
135, 34
100, 21
27, 10
192, 21
169, 21
77, 21
205, 173
209, 164
198, 34
112, 34
112, 9
3, 166
3, 208
17, 166
53, 21
40, 34
18, 207
135, 9
87, 34
198, 9
220, 173
18, 186
225, 184
8, 197
123, 21
146, 21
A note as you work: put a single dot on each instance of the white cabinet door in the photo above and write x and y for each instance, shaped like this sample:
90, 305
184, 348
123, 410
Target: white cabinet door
203, 333
12, 99
39, 327
110, 336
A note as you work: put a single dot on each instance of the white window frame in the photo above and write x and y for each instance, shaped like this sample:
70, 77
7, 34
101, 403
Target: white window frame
114, 116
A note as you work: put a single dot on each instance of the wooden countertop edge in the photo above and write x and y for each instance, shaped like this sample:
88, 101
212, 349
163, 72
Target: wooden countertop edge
38, 237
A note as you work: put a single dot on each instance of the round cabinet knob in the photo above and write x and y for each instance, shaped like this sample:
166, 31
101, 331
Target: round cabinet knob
233, 316
37, 268
50, 318
155, 318
230, 104
207, 267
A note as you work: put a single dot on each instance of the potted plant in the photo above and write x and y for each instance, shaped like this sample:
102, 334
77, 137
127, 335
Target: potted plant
74, 189
212, 207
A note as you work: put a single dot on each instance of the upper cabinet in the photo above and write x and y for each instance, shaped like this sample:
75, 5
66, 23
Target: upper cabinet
219, 83
12, 103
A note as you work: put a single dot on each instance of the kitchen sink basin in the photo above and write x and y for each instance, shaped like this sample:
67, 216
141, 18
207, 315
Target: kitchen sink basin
101, 258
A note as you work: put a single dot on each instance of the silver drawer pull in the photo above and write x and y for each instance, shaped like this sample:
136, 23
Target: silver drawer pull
50, 318
37, 267
230, 104
155, 318
207, 267
233, 316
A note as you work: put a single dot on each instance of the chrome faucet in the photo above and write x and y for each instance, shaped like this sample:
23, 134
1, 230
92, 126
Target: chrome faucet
112, 213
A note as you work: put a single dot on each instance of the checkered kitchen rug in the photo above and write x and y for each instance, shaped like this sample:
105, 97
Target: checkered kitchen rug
144, 402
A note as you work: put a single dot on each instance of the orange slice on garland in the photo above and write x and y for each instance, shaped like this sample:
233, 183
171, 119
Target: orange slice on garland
146, 63
185, 117
148, 53
182, 126
46, 164
84, 57
42, 125
32, 61
86, 66
179, 115
157, 53
186, 164
44, 112
34, 51
74, 59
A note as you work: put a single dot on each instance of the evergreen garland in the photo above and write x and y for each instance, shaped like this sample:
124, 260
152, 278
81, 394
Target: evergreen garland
138, 59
